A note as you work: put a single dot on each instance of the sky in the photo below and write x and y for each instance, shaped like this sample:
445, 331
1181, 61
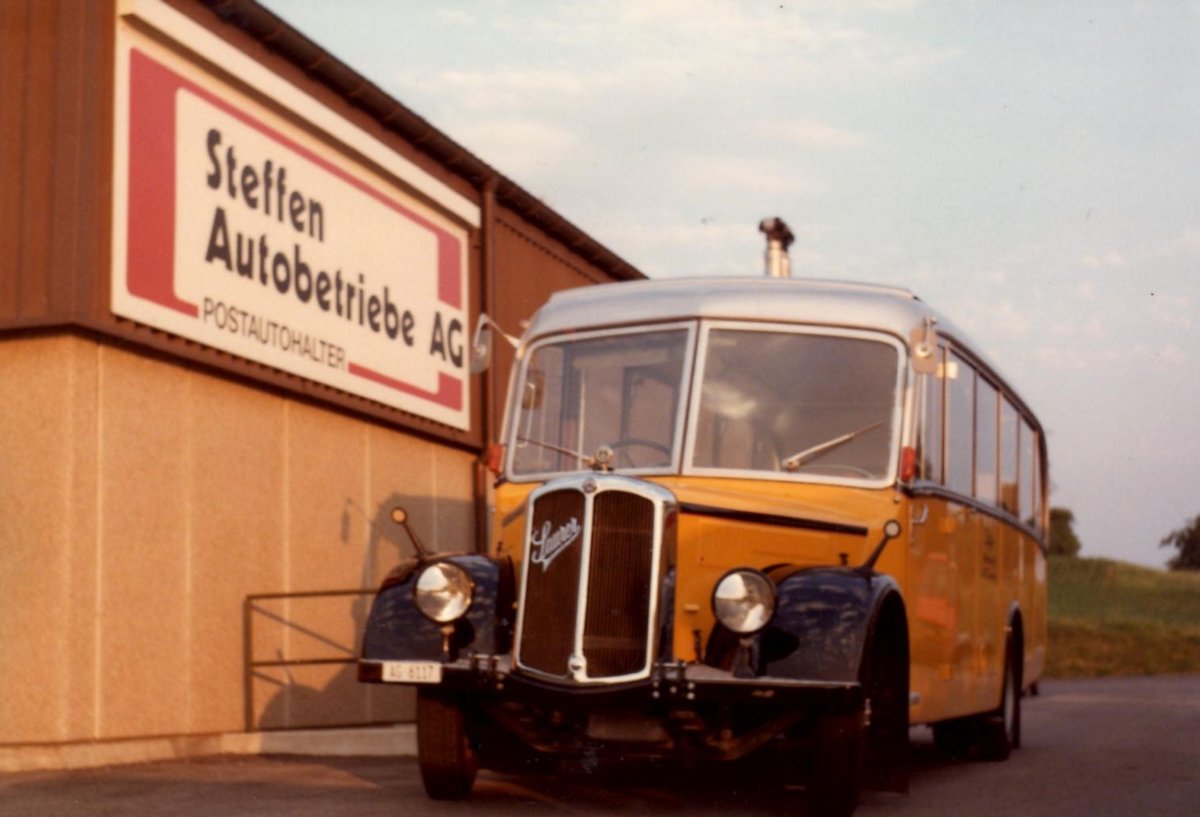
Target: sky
1029, 168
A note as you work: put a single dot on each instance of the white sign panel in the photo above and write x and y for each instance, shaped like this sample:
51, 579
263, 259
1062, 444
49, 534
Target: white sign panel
240, 231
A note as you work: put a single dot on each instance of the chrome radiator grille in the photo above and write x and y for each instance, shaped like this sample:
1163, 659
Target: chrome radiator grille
593, 564
552, 597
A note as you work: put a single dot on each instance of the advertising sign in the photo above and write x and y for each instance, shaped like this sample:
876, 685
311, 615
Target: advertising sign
243, 230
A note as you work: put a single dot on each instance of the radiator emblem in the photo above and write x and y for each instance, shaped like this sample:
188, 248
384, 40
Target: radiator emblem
547, 545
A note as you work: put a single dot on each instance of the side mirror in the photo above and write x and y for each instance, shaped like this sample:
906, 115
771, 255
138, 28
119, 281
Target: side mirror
481, 343
923, 343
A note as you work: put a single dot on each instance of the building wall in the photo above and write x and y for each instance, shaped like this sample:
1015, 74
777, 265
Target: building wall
143, 501
55, 95
149, 485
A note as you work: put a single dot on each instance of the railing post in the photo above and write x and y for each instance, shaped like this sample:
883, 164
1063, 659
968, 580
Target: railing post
248, 663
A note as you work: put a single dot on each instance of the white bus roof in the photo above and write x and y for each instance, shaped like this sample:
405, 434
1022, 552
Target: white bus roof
894, 310
786, 300
811, 301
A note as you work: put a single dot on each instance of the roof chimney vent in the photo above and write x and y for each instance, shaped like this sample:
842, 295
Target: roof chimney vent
779, 238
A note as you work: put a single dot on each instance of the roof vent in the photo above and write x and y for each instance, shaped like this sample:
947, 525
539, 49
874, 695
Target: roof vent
779, 238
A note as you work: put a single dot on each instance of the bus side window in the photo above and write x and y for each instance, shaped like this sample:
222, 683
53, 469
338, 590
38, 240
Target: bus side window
986, 404
1039, 515
1008, 456
932, 433
960, 435
1027, 481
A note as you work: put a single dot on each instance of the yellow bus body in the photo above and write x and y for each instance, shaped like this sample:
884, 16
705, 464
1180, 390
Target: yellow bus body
961, 571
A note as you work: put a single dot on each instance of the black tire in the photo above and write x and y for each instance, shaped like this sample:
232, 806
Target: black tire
885, 682
952, 739
1001, 731
837, 765
445, 753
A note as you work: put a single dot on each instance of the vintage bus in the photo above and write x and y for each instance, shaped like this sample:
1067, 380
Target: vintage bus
763, 517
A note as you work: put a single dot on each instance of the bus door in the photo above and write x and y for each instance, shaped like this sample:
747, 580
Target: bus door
934, 607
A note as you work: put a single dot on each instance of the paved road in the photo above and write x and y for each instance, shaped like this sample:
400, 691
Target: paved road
1094, 748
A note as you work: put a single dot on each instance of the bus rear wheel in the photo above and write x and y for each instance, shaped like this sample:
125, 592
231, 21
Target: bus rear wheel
445, 753
952, 739
1001, 732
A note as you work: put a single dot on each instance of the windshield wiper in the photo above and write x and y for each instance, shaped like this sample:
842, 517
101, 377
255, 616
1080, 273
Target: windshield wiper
796, 460
600, 462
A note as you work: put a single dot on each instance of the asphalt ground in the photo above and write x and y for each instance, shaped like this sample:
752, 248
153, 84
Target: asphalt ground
1098, 748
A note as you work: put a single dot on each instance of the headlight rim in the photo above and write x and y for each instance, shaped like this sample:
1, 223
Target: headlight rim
768, 583
467, 584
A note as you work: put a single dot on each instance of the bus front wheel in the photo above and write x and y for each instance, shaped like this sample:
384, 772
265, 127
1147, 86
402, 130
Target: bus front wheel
837, 765
444, 750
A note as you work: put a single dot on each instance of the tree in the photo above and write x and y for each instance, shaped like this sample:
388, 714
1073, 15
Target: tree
1186, 540
1063, 541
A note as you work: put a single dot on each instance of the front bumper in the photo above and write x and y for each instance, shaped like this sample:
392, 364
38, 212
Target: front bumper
670, 685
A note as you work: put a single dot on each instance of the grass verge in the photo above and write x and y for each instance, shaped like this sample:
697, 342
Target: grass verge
1113, 618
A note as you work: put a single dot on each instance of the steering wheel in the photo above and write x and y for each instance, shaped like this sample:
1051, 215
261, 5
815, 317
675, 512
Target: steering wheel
625, 442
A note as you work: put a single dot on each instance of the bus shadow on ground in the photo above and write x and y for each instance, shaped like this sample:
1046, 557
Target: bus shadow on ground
290, 786
751, 787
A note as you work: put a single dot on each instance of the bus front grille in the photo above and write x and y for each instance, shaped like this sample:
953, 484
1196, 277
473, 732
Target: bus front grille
616, 626
593, 557
552, 584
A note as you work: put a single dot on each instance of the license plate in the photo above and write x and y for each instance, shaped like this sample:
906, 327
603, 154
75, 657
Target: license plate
412, 672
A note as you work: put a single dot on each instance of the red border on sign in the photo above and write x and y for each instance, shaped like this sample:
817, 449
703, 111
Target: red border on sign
150, 236
449, 391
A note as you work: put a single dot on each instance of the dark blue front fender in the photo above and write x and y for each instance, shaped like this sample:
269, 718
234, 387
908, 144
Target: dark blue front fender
822, 621
396, 630
824, 617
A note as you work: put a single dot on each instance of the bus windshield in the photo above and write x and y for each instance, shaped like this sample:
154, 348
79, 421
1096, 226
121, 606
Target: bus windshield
820, 405
804, 404
619, 392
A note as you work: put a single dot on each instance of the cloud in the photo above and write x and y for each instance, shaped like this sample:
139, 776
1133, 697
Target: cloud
1171, 354
1186, 245
1171, 310
520, 147
1108, 260
506, 89
1058, 359
455, 16
683, 248
738, 27
1010, 319
809, 134
645, 48
734, 175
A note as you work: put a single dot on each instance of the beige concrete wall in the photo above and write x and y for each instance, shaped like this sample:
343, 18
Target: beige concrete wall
141, 501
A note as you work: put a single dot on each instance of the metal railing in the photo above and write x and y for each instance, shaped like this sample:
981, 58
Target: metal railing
251, 667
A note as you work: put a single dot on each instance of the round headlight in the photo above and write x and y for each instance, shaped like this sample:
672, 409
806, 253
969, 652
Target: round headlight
744, 601
443, 592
